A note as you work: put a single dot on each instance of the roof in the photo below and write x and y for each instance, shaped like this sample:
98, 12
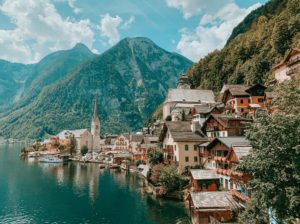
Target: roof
190, 95
136, 138
181, 132
236, 90
201, 174
213, 200
232, 141
241, 151
150, 139
205, 109
224, 119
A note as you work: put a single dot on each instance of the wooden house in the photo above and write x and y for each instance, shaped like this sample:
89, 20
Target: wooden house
220, 125
204, 180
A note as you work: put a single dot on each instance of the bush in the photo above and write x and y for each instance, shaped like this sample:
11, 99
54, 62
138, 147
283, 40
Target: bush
155, 156
169, 118
170, 178
84, 150
61, 147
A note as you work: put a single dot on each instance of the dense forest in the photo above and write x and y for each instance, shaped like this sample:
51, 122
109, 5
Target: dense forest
260, 41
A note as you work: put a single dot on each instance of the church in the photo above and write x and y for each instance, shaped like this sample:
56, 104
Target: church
85, 137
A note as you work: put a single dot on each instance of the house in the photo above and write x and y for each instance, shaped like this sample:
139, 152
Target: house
226, 154
243, 99
147, 143
183, 98
204, 180
288, 66
212, 206
122, 143
180, 144
83, 137
220, 125
201, 113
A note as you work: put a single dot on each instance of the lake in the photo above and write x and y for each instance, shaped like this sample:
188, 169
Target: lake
32, 192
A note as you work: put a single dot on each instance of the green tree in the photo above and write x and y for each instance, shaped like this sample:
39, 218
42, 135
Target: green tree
274, 165
155, 156
84, 150
155, 174
170, 178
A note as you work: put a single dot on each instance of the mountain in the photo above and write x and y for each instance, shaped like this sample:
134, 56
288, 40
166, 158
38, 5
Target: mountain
260, 41
12, 79
21, 83
131, 80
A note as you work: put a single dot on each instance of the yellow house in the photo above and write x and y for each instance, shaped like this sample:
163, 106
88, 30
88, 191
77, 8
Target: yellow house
180, 144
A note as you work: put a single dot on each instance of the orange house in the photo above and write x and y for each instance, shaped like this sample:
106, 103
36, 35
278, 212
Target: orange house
243, 99
204, 180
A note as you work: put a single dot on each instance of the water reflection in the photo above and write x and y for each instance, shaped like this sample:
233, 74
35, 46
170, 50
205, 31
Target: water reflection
33, 192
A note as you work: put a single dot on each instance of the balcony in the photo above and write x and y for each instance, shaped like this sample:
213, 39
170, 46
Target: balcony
169, 150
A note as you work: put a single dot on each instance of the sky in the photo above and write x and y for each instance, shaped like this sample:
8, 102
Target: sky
31, 29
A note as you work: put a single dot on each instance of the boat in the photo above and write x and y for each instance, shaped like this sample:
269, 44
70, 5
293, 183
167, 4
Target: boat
102, 166
114, 166
33, 154
51, 159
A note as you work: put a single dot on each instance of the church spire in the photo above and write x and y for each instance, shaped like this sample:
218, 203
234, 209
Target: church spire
96, 108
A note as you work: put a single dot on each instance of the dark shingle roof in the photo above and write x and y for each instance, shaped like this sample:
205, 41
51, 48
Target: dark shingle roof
213, 200
224, 119
181, 132
238, 90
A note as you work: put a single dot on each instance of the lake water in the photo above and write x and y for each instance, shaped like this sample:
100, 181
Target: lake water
32, 192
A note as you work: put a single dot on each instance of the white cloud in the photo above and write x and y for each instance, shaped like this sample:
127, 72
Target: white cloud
39, 30
127, 24
214, 28
72, 5
109, 27
194, 7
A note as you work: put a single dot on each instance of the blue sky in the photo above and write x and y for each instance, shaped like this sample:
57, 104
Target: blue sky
31, 29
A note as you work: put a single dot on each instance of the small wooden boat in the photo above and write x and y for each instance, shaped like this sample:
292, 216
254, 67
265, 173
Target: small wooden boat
52, 159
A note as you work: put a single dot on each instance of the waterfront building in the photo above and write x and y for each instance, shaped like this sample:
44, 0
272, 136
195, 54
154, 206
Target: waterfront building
83, 137
226, 153
288, 67
243, 100
212, 207
122, 143
180, 144
220, 125
183, 98
204, 180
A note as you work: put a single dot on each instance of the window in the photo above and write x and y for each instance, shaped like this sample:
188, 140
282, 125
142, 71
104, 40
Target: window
195, 148
241, 101
186, 159
186, 147
260, 100
249, 100
242, 110
175, 147
195, 159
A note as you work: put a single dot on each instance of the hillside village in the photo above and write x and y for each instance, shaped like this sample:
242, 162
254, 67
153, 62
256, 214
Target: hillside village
202, 136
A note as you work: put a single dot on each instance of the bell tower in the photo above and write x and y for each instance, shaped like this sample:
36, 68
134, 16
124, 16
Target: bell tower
95, 126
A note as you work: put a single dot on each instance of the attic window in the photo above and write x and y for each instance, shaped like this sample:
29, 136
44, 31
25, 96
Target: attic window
183, 99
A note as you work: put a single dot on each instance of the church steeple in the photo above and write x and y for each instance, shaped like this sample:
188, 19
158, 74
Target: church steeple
95, 116
95, 126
